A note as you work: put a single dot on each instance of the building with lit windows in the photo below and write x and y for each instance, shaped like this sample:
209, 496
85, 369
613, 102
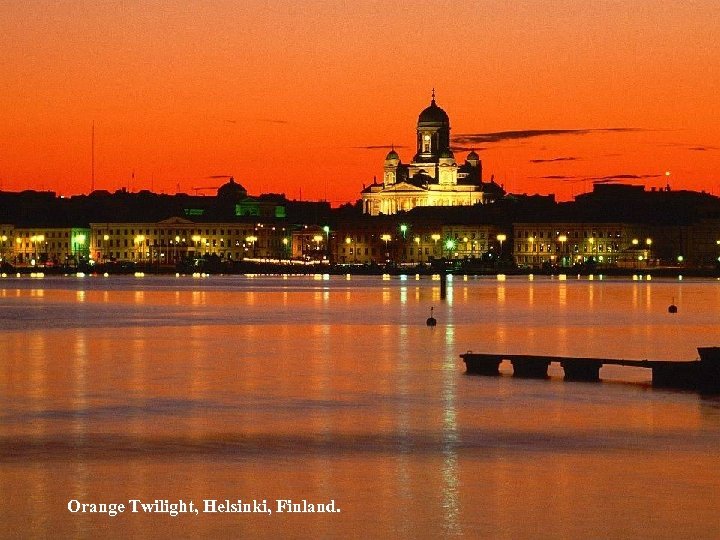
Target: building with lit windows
311, 243
47, 246
7, 236
178, 239
411, 239
433, 177
566, 244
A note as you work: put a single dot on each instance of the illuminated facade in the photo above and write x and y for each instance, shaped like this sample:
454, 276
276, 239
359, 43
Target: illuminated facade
177, 239
385, 241
433, 178
565, 244
7, 236
46, 246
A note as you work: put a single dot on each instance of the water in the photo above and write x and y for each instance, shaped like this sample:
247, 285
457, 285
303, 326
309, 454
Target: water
326, 388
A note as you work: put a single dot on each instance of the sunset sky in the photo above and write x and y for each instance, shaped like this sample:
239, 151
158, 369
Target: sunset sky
306, 96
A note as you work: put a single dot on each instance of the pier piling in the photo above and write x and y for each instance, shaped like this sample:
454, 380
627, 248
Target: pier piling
582, 370
529, 367
701, 375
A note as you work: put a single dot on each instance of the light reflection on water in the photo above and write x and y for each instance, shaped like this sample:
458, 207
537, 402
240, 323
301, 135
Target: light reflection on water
303, 388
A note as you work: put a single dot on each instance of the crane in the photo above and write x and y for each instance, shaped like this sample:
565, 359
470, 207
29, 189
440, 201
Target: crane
206, 188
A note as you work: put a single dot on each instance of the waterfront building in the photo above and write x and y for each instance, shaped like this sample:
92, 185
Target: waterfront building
176, 239
566, 244
474, 241
310, 243
7, 234
622, 225
47, 246
698, 245
382, 241
433, 177
411, 239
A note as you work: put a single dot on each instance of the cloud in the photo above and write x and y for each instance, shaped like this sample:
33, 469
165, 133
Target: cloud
550, 160
623, 177
694, 147
219, 176
471, 138
558, 177
268, 120
377, 146
598, 179
272, 121
467, 148
703, 148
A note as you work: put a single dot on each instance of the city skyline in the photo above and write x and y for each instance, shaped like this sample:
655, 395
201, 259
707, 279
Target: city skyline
554, 96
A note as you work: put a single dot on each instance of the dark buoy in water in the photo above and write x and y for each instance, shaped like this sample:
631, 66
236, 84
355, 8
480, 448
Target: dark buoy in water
431, 320
672, 308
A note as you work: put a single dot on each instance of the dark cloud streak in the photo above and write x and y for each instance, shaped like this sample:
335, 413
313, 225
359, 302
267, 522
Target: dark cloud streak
377, 147
467, 148
558, 177
598, 179
267, 120
551, 160
623, 177
470, 138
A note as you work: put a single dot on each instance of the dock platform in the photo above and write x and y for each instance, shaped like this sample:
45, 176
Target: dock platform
702, 375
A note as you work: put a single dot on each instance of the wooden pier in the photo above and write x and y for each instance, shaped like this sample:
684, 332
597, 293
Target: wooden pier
701, 375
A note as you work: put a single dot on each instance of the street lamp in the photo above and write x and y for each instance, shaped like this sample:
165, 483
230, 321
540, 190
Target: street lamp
403, 230
326, 229
252, 240
140, 240
435, 237
648, 243
419, 249
40, 240
33, 242
501, 238
532, 248
386, 238
317, 238
450, 246
106, 237
563, 239
286, 243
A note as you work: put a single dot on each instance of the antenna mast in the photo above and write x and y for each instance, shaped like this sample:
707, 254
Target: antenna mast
92, 182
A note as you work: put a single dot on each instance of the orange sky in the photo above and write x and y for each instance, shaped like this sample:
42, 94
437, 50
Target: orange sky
286, 97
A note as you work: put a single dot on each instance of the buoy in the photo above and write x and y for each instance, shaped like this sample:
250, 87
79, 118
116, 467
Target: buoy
431, 320
672, 308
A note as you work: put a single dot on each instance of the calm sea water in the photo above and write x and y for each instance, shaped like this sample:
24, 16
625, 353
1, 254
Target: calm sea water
318, 389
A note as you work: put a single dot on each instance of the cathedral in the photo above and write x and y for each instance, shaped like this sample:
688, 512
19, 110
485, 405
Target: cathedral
433, 178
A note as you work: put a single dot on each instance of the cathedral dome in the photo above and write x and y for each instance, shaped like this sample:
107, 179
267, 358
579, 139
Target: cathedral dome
473, 156
447, 153
231, 190
433, 115
392, 154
